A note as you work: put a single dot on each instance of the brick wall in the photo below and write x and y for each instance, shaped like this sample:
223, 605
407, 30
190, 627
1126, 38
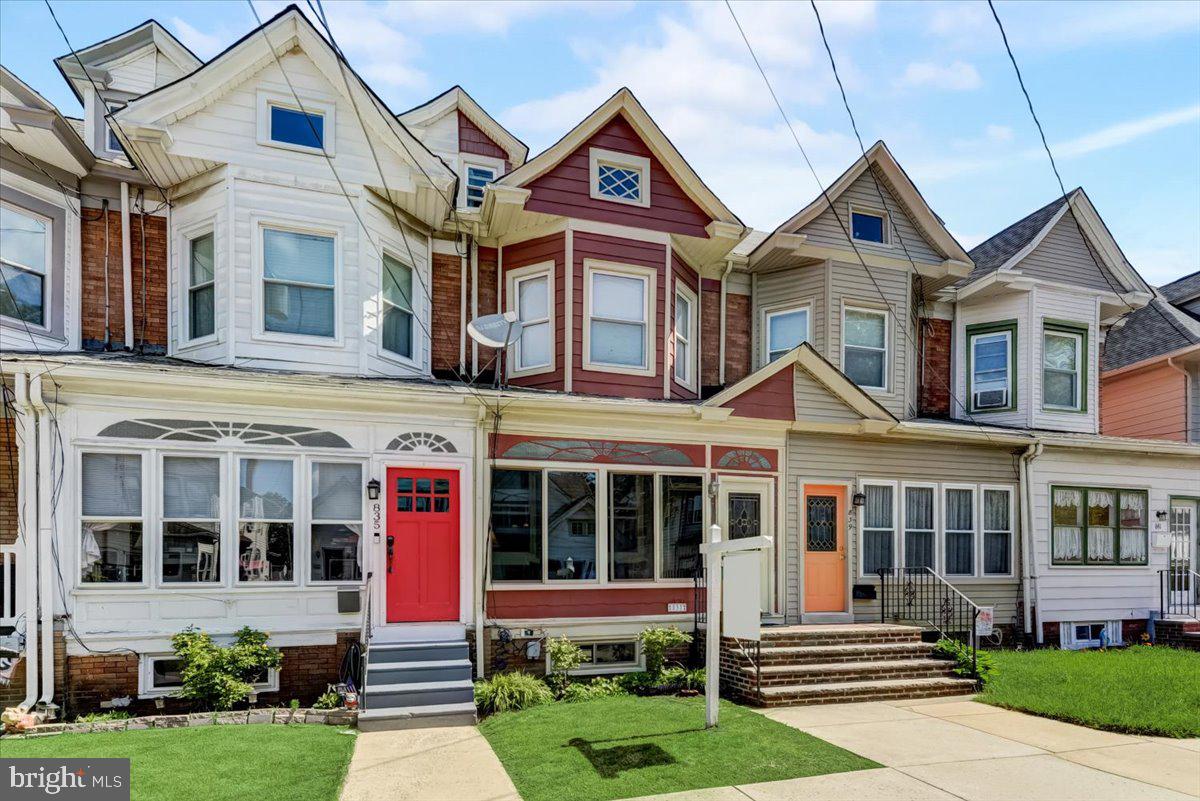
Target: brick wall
13, 693
447, 322
150, 310
488, 265
737, 337
8, 480
1177, 634
934, 400
710, 350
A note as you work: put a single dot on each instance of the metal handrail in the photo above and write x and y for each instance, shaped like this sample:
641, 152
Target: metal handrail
1175, 601
927, 598
364, 636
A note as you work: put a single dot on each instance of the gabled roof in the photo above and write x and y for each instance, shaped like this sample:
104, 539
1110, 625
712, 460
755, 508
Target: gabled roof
922, 215
1156, 329
993, 253
33, 126
122, 44
457, 98
1183, 289
624, 103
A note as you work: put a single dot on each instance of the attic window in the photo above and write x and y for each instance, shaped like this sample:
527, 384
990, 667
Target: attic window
304, 126
868, 226
477, 179
299, 128
619, 177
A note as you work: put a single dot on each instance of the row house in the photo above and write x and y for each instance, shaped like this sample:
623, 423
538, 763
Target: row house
241, 389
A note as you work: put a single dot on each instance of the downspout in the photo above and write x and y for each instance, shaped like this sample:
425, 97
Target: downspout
462, 306
1031, 621
474, 305
45, 534
1187, 400
126, 267
721, 355
107, 304
27, 511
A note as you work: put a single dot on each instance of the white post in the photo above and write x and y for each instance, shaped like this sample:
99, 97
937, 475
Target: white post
712, 640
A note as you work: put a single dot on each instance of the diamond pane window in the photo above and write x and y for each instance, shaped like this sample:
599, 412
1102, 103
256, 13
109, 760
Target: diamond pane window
744, 515
621, 183
822, 523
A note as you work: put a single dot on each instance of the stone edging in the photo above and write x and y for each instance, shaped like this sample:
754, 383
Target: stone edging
328, 717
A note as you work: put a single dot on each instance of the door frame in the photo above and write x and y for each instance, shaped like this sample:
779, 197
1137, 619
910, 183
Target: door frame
1193, 545
851, 529
765, 485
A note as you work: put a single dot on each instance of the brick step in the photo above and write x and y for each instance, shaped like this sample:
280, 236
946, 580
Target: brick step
821, 654
823, 673
846, 691
840, 635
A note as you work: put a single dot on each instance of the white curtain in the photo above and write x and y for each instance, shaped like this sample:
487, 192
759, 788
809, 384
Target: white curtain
337, 491
995, 510
918, 508
1100, 544
112, 485
1133, 545
1133, 509
878, 511
1068, 543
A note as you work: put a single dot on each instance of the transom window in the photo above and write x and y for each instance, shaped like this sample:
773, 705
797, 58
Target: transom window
24, 261
298, 283
477, 179
618, 327
785, 330
1098, 526
201, 287
1063, 352
620, 177
991, 354
294, 127
397, 330
685, 328
532, 294
865, 347
869, 226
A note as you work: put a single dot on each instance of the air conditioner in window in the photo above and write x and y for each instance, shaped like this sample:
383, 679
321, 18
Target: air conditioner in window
991, 398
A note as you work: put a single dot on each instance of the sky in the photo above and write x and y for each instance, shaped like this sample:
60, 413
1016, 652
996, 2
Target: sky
1116, 86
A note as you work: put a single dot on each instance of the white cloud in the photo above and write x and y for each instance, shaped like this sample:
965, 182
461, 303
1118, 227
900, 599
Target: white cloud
958, 76
1121, 133
205, 45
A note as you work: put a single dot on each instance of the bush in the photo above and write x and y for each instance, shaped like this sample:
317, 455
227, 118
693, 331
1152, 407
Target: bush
656, 641
639, 683
565, 656
328, 700
588, 691
99, 717
509, 692
216, 677
983, 669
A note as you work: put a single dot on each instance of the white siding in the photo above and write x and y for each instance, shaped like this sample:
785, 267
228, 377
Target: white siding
1075, 307
135, 72
440, 135
1012, 306
192, 216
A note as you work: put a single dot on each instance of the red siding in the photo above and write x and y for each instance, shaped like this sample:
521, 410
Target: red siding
472, 140
1150, 403
565, 190
710, 336
683, 274
771, 399
590, 602
532, 251
623, 251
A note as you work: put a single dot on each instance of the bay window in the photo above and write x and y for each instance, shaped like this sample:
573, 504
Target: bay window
110, 544
335, 535
878, 527
24, 265
191, 520
1098, 526
619, 329
532, 291
865, 347
1064, 351
298, 274
266, 525
201, 293
397, 295
919, 523
958, 505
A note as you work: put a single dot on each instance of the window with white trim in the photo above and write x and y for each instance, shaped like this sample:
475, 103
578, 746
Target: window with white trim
266, 520
201, 293
476, 179
299, 274
1096, 634
958, 535
618, 326
111, 547
869, 226
1063, 352
685, 334
191, 520
865, 347
25, 261
397, 331
785, 329
335, 532
111, 142
991, 355
920, 525
160, 677
532, 294
619, 177
606, 656
299, 128
997, 531
878, 527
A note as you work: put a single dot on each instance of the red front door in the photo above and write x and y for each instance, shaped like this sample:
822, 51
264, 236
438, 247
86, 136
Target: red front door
422, 542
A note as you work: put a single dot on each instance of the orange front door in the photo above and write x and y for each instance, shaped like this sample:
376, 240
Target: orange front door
824, 517
422, 545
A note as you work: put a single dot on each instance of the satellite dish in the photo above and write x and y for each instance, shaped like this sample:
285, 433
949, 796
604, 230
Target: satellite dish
495, 330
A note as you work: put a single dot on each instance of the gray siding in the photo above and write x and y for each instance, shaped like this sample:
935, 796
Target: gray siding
790, 288
816, 458
1194, 405
1065, 257
814, 402
824, 230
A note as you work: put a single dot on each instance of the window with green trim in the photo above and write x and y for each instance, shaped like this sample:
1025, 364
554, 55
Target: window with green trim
991, 367
1098, 526
1064, 367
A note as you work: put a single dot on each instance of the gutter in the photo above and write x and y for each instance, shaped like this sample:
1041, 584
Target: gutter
1188, 425
27, 512
1028, 568
45, 533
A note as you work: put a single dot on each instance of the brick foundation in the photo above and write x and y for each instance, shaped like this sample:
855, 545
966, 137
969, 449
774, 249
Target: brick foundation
150, 311
934, 396
1178, 634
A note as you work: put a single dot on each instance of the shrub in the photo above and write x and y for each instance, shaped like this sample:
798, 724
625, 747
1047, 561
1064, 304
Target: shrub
656, 641
983, 669
328, 700
99, 717
509, 692
565, 656
597, 688
638, 683
218, 677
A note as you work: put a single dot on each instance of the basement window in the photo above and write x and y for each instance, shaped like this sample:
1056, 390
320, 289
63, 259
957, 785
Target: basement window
606, 656
159, 677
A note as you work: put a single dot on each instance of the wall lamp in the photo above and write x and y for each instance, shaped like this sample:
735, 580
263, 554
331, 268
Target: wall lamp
860, 499
373, 489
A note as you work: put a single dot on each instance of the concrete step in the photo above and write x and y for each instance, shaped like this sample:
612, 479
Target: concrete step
819, 654
420, 693
826, 672
418, 717
383, 673
850, 634
437, 651
876, 690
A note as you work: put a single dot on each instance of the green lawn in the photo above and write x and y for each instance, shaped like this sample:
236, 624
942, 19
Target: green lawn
215, 763
1138, 690
627, 746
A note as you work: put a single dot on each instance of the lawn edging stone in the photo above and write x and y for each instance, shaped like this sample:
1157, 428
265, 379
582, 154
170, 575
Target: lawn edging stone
316, 717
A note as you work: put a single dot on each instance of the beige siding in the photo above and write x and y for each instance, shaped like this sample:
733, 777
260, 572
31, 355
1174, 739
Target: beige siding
1076, 307
789, 289
1194, 405
816, 458
851, 285
1063, 256
814, 402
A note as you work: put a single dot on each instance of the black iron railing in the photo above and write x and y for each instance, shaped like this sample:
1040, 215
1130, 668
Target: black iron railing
699, 616
1179, 590
364, 637
919, 596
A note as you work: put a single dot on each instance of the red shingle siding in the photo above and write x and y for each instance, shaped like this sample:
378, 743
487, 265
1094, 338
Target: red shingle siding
473, 140
710, 334
935, 367
565, 190
771, 399
447, 321
737, 337
150, 325
617, 602
533, 251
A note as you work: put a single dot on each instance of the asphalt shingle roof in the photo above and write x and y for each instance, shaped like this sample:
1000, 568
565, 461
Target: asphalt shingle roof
1152, 330
1182, 289
991, 254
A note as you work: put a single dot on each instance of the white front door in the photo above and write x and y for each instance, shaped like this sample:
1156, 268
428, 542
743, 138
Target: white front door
746, 508
1183, 551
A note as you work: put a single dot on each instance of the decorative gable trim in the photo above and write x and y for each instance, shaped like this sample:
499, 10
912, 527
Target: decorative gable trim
115, 49
457, 98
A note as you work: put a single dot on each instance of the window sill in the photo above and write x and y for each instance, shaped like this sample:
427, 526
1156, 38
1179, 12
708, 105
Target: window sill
599, 367
306, 340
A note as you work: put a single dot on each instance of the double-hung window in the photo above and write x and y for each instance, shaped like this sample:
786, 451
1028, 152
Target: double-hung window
865, 347
997, 531
619, 330
878, 528
1064, 350
1098, 526
958, 504
24, 262
869, 226
298, 283
991, 358
785, 329
631, 525
110, 544
532, 292
201, 287
398, 319
191, 520
920, 516
336, 527
685, 335
266, 524
477, 179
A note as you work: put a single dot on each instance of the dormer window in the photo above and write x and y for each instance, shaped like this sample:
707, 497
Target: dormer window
619, 177
477, 179
111, 142
303, 126
1064, 349
991, 355
868, 226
